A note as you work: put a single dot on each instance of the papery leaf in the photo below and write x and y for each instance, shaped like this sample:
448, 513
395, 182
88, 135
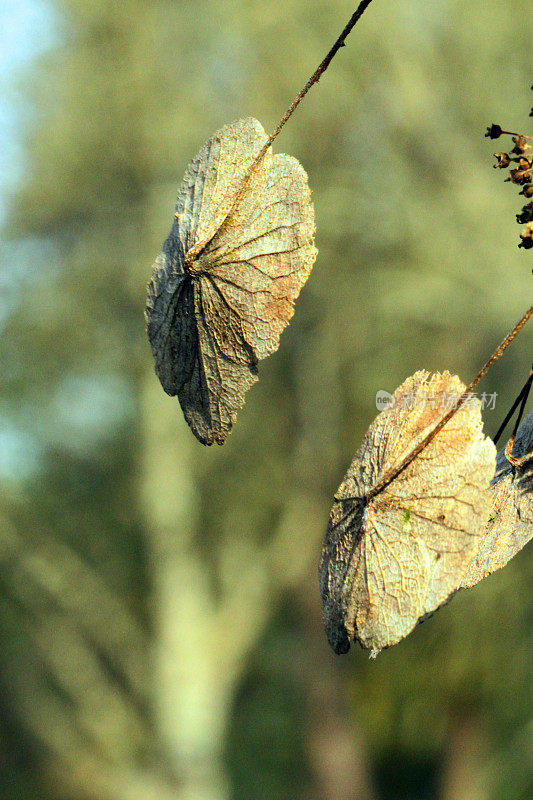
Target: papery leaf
224, 287
390, 560
510, 524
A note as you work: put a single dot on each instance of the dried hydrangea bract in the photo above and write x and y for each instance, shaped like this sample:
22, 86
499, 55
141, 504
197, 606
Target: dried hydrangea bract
223, 289
389, 561
510, 524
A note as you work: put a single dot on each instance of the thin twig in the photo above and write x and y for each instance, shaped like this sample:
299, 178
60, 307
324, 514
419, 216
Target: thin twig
525, 388
513, 133
395, 471
315, 77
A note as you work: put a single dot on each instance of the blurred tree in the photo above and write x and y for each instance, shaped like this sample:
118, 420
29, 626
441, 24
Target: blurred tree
159, 604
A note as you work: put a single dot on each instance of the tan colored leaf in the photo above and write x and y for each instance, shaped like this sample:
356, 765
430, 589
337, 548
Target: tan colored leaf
224, 287
510, 524
389, 561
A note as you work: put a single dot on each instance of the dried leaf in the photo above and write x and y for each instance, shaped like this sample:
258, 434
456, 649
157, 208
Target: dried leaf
224, 286
510, 524
389, 561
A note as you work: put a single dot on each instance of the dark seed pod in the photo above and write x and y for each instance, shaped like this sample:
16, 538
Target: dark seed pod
527, 237
502, 160
494, 131
519, 176
520, 145
526, 215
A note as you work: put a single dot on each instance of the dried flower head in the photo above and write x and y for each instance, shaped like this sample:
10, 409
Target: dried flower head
520, 144
502, 160
519, 176
527, 237
520, 163
526, 215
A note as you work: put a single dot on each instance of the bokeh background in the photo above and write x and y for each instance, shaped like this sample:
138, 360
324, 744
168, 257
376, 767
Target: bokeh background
160, 626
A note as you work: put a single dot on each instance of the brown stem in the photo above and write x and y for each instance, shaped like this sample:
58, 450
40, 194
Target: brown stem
395, 471
513, 133
522, 398
315, 77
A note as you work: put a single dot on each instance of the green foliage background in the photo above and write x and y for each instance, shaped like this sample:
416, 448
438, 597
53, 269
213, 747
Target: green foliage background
159, 609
